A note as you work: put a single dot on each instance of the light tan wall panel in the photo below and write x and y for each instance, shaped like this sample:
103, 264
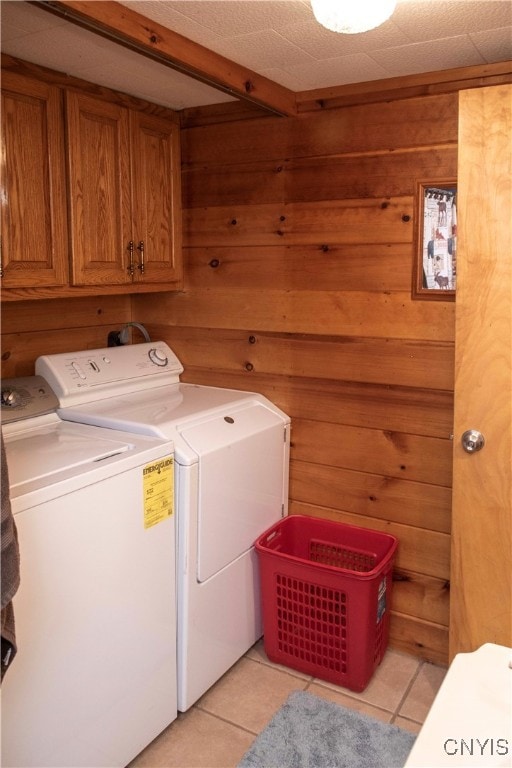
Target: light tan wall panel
374, 495
247, 141
392, 454
426, 597
242, 183
389, 316
353, 221
412, 124
423, 412
396, 408
34, 328
299, 244
207, 359
385, 174
419, 550
358, 175
369, 267
48, 314
397, 362
415, 636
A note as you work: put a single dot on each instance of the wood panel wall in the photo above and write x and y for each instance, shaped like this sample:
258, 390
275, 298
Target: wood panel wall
299, 240
44, 327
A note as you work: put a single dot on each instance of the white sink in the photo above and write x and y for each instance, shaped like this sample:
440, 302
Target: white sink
470, 721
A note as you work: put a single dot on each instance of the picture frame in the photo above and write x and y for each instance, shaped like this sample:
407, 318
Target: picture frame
435, 257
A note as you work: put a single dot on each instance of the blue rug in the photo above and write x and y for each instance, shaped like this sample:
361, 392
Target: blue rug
310, 732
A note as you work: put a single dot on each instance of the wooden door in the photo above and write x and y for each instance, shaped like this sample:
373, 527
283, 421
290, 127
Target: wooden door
33, 195
481, 569
100, 189
156, 197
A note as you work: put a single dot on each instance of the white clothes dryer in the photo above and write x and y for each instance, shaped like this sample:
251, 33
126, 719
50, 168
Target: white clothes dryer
94, 678
231, 483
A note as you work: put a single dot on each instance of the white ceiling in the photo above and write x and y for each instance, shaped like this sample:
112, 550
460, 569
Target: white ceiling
279, 39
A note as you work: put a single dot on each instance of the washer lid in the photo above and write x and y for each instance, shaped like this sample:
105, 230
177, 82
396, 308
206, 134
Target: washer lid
54, 448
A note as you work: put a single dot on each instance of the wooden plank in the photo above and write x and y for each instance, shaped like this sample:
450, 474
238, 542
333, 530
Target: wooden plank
58, 314
425, 597
406, 87
130, 28
353, 176
365, 360
247, 141
419, 550
399, 409
363, 493
241, 184
208, 354
395, 408
374, 127
34, 328
415, 358
380, 452
373, 175
318, 223
20, 350
365, 129
419, 638
225, 112
330, 268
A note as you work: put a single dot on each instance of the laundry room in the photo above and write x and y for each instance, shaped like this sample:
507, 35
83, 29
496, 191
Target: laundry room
294, 229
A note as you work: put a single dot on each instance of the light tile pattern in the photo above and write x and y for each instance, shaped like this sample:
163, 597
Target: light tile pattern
218, 730
278, 39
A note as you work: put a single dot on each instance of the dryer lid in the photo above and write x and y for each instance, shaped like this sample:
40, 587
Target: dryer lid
242, 467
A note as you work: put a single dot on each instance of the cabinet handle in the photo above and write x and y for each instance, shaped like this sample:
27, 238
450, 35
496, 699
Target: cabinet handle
131, 267
141, 249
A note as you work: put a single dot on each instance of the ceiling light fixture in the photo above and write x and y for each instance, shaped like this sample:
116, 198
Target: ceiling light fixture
352, 16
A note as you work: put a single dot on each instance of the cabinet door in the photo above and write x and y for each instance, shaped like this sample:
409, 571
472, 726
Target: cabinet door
99, 179
33, 196
156, 196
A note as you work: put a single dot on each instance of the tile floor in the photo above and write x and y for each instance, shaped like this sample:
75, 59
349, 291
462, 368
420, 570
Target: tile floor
218, 730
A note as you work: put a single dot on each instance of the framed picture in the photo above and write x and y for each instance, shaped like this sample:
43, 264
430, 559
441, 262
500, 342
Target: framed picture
435, 262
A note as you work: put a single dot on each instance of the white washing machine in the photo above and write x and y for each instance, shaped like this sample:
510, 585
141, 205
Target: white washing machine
231, 483
94, 678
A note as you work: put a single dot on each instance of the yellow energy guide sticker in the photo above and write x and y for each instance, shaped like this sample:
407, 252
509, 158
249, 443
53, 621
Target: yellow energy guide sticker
158, 489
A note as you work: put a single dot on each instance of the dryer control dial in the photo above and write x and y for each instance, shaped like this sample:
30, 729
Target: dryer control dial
158, 357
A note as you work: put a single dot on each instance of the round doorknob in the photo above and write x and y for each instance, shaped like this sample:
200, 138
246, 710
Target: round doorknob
472, 441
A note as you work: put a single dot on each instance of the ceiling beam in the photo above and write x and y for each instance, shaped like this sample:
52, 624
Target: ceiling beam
139, 33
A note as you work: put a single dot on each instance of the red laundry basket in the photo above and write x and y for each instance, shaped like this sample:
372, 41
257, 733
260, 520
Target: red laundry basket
326, 593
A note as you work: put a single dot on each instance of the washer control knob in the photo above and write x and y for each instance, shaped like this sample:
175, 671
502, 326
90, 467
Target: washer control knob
158, 357
10, 398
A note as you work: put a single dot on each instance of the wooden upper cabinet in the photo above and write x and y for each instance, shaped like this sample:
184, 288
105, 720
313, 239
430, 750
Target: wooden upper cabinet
33, 194
124, 187
156, 197
99, 190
